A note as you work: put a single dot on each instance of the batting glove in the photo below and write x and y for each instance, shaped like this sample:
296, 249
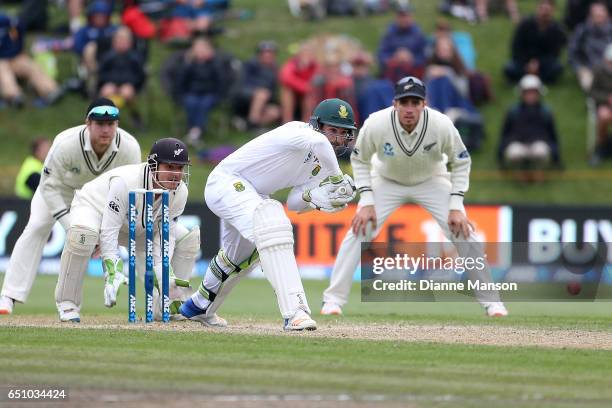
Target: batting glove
113, 279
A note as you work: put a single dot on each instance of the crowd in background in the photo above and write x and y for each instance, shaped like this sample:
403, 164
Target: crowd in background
112, 60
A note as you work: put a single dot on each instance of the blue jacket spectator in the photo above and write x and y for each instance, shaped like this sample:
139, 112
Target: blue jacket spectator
11, 37
404, 42
98, 26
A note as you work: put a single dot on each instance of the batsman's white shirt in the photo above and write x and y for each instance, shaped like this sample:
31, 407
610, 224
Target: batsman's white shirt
292, 155
102, 205
71, 162
393, 167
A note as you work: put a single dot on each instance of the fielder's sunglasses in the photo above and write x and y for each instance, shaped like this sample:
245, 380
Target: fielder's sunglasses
103, 113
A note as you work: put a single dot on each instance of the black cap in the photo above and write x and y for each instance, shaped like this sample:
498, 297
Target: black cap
409, 86
169, 150
102, 117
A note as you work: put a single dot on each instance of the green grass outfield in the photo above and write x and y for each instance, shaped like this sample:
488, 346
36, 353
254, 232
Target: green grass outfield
188, 361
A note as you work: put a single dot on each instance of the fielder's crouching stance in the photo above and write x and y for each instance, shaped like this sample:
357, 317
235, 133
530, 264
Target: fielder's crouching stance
254, 228
99, 216
401, 156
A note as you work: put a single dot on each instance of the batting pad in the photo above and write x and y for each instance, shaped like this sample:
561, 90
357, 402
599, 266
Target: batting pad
80, 244
186, 251
274, 240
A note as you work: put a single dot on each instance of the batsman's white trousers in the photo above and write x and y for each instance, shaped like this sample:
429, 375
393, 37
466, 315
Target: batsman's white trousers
233, 200
433, 195
28, 250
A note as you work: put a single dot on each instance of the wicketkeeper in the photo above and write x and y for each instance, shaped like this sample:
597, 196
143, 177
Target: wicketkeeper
100, 216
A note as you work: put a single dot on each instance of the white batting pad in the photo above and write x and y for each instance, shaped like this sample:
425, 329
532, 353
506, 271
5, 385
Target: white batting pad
274, 240
186, 251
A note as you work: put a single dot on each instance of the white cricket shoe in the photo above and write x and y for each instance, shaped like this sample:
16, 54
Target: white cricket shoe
6, 305
496, 309
300, 321
69, 312
330, 308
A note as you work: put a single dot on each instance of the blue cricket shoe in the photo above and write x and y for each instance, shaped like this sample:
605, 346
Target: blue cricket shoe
192, 312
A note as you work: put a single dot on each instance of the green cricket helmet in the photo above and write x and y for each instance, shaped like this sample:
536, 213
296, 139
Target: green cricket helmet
338, 113
333, 112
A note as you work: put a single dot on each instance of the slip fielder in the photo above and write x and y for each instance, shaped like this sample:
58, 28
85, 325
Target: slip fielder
255, 228
77, 155
401, 156
100, 214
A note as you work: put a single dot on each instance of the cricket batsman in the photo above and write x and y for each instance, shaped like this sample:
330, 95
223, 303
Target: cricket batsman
255, 228
100, 216
77, 156
401, 156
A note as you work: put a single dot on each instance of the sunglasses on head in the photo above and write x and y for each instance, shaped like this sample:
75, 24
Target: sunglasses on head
103, 112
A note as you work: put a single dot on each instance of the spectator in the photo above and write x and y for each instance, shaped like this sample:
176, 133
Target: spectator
372, 94
482, 9
537, 45
255, 95
589, 42
199, 13
15, 64
601, 92
121, 74
576, 11
98, 30
402, 50
28, 177
200, 86
295, 79
331, 82
446, 62
529, 137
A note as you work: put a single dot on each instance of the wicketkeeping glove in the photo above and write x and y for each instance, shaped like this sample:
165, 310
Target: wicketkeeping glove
332, 194
113, 279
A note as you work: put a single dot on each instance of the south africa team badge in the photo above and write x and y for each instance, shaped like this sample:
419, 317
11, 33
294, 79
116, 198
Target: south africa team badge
239, 186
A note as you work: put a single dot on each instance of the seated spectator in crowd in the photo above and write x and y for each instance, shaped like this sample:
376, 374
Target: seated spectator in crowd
28, 177
121, 73
482, 9
199, 13
16, 64
577, 11
446, 62
98, 30
448, 91
295, 80
401, 51
537, 45
200, 86
372, 94
254, 97
529, 138
601, 92
332, 81
589, 42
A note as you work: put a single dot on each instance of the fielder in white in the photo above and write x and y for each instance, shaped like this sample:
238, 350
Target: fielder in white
100, 215
254, 227
78, 155
401, 156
